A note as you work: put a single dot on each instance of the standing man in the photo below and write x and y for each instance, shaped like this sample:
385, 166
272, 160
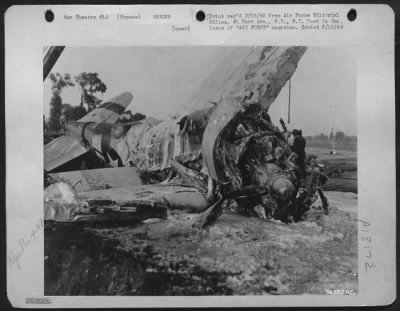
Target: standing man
299, 147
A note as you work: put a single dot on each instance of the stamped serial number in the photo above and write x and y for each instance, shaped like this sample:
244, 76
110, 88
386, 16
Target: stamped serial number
340, 291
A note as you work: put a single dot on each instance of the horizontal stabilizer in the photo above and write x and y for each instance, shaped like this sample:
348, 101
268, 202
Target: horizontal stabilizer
60, 151
109, 111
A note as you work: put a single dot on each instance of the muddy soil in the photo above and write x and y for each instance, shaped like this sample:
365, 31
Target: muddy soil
236, 255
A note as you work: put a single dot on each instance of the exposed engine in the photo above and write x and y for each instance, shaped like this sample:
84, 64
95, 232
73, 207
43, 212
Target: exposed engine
255, 166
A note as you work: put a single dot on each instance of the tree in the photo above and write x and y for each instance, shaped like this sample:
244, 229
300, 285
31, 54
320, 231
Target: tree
78, 112
90, 84
309, 138
321, 137
55, 112
339, 137
73, 113
331, 136
66, 111
59, 82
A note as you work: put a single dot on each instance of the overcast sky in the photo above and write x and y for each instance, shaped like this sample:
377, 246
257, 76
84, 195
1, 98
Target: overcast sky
323, 88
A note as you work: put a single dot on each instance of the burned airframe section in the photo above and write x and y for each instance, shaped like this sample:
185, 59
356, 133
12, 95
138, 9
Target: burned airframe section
228, 151
188, 172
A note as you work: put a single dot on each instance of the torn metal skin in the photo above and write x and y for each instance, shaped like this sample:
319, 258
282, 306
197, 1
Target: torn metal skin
230, 151
248, 156
251, 161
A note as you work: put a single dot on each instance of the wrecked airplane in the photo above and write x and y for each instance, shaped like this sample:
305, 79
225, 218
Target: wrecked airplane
226, 151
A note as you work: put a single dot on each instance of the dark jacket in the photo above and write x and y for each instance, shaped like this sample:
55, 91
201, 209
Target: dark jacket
299, 147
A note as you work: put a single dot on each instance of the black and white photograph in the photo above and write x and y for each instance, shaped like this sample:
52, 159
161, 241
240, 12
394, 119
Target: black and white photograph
200, 170
200, 156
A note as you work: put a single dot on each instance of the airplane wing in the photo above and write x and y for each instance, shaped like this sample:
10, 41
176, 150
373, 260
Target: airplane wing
132, 203
100, 178
109, 111
175, 196
60, 151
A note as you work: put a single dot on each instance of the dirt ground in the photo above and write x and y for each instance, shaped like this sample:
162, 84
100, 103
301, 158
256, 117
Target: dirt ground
236, 255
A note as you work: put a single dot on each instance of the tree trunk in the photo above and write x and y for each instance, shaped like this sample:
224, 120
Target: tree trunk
82, 98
